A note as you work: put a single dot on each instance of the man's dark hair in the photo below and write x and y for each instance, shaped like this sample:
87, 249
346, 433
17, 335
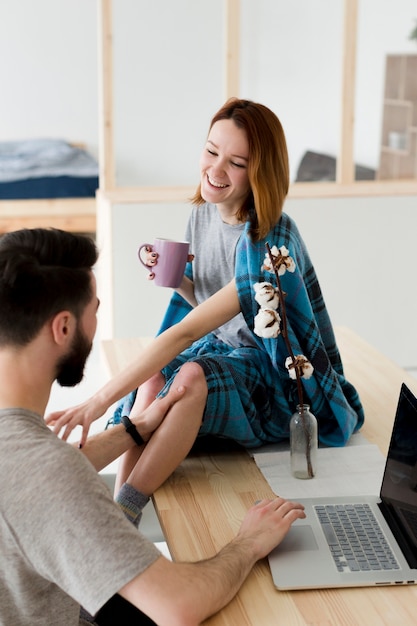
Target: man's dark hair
42, 271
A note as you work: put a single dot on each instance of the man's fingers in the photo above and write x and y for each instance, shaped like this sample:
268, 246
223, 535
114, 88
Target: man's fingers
52, 417
68, 430
174, 394
84, 435
280, 505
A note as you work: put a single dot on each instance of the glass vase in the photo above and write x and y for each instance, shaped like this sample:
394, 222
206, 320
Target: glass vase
303, 442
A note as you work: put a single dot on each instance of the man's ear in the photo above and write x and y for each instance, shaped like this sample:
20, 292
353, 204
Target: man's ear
63, 325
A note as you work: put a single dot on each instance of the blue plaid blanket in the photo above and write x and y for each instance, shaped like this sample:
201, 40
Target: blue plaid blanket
251, 396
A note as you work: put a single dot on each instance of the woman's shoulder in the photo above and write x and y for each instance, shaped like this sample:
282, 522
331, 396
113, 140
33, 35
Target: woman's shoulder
207, 208
286, 233
204, 216
286, 228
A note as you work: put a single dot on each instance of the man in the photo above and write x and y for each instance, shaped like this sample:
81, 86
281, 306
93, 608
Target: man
63, 541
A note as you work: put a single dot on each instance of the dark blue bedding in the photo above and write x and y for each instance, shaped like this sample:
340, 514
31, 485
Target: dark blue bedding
50, 187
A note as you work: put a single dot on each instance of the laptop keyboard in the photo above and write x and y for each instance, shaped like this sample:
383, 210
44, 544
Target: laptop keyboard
355, 538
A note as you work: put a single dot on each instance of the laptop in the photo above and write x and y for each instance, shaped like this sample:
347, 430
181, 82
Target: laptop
325, 550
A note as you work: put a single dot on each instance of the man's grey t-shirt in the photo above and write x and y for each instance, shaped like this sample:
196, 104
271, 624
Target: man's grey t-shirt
63, 541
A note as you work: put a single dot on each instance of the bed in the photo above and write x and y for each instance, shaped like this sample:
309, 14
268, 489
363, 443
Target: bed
47, 183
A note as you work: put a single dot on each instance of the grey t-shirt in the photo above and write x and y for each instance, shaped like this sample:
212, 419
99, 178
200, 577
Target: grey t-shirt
213, 244
63, 541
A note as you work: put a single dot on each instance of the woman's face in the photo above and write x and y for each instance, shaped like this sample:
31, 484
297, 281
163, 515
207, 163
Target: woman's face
224, 166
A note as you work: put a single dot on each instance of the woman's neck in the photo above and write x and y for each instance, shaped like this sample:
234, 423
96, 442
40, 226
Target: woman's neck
229, 215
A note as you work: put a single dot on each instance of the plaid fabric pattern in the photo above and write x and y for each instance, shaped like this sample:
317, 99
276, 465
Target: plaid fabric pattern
251, 397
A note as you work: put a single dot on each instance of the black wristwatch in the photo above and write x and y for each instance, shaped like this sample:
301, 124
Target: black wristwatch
131, 429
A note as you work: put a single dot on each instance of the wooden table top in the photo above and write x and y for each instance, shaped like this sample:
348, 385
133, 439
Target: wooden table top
201, 505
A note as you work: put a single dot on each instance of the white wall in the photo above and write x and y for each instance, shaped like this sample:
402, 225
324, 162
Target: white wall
48, 70
168, 68
168, 83
168, 74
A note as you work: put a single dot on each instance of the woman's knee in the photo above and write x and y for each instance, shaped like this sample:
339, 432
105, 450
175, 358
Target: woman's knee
193, 377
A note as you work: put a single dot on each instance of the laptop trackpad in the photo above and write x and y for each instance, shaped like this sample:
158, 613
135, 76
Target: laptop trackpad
298, 538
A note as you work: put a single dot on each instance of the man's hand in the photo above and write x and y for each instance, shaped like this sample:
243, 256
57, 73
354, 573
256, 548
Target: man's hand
194, 591
148, 420
84, 414
106, 446
266, 524
81, 415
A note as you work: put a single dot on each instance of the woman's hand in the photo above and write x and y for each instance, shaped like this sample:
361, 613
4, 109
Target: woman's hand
151, 260
82, 414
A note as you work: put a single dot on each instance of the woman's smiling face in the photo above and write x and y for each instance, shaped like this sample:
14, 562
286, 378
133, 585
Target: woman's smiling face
224, 166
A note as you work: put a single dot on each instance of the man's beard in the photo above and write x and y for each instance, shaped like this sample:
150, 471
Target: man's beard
70, 369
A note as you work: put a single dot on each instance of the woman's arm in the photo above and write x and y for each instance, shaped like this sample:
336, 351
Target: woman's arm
209, 315
186, 291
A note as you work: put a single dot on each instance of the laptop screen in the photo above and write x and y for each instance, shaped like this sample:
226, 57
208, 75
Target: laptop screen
399, 485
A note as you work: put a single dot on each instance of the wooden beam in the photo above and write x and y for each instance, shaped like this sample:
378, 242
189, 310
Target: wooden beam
105, 266
151, 195
231, 48
105, 95
173, 195
73, 214
345, 168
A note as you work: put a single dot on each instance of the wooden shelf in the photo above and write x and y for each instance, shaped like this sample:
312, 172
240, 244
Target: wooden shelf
73, 214
398, 156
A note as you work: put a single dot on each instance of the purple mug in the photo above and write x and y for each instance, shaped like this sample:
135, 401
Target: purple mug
170, 263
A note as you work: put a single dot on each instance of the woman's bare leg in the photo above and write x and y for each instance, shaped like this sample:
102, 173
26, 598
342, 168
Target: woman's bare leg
145, 396
174, 438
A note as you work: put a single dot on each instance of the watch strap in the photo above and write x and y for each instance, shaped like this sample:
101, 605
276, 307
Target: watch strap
132, 430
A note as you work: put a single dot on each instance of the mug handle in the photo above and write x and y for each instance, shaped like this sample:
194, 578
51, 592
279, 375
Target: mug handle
148, 267
144, 245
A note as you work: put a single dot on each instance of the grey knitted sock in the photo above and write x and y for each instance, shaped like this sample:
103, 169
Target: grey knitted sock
132, 502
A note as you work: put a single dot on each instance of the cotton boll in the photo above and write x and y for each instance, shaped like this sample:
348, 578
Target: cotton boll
302, 364
266, 295
267, 323
282, 261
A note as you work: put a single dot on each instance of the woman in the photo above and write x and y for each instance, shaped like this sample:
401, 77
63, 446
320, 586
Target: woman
236, 380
